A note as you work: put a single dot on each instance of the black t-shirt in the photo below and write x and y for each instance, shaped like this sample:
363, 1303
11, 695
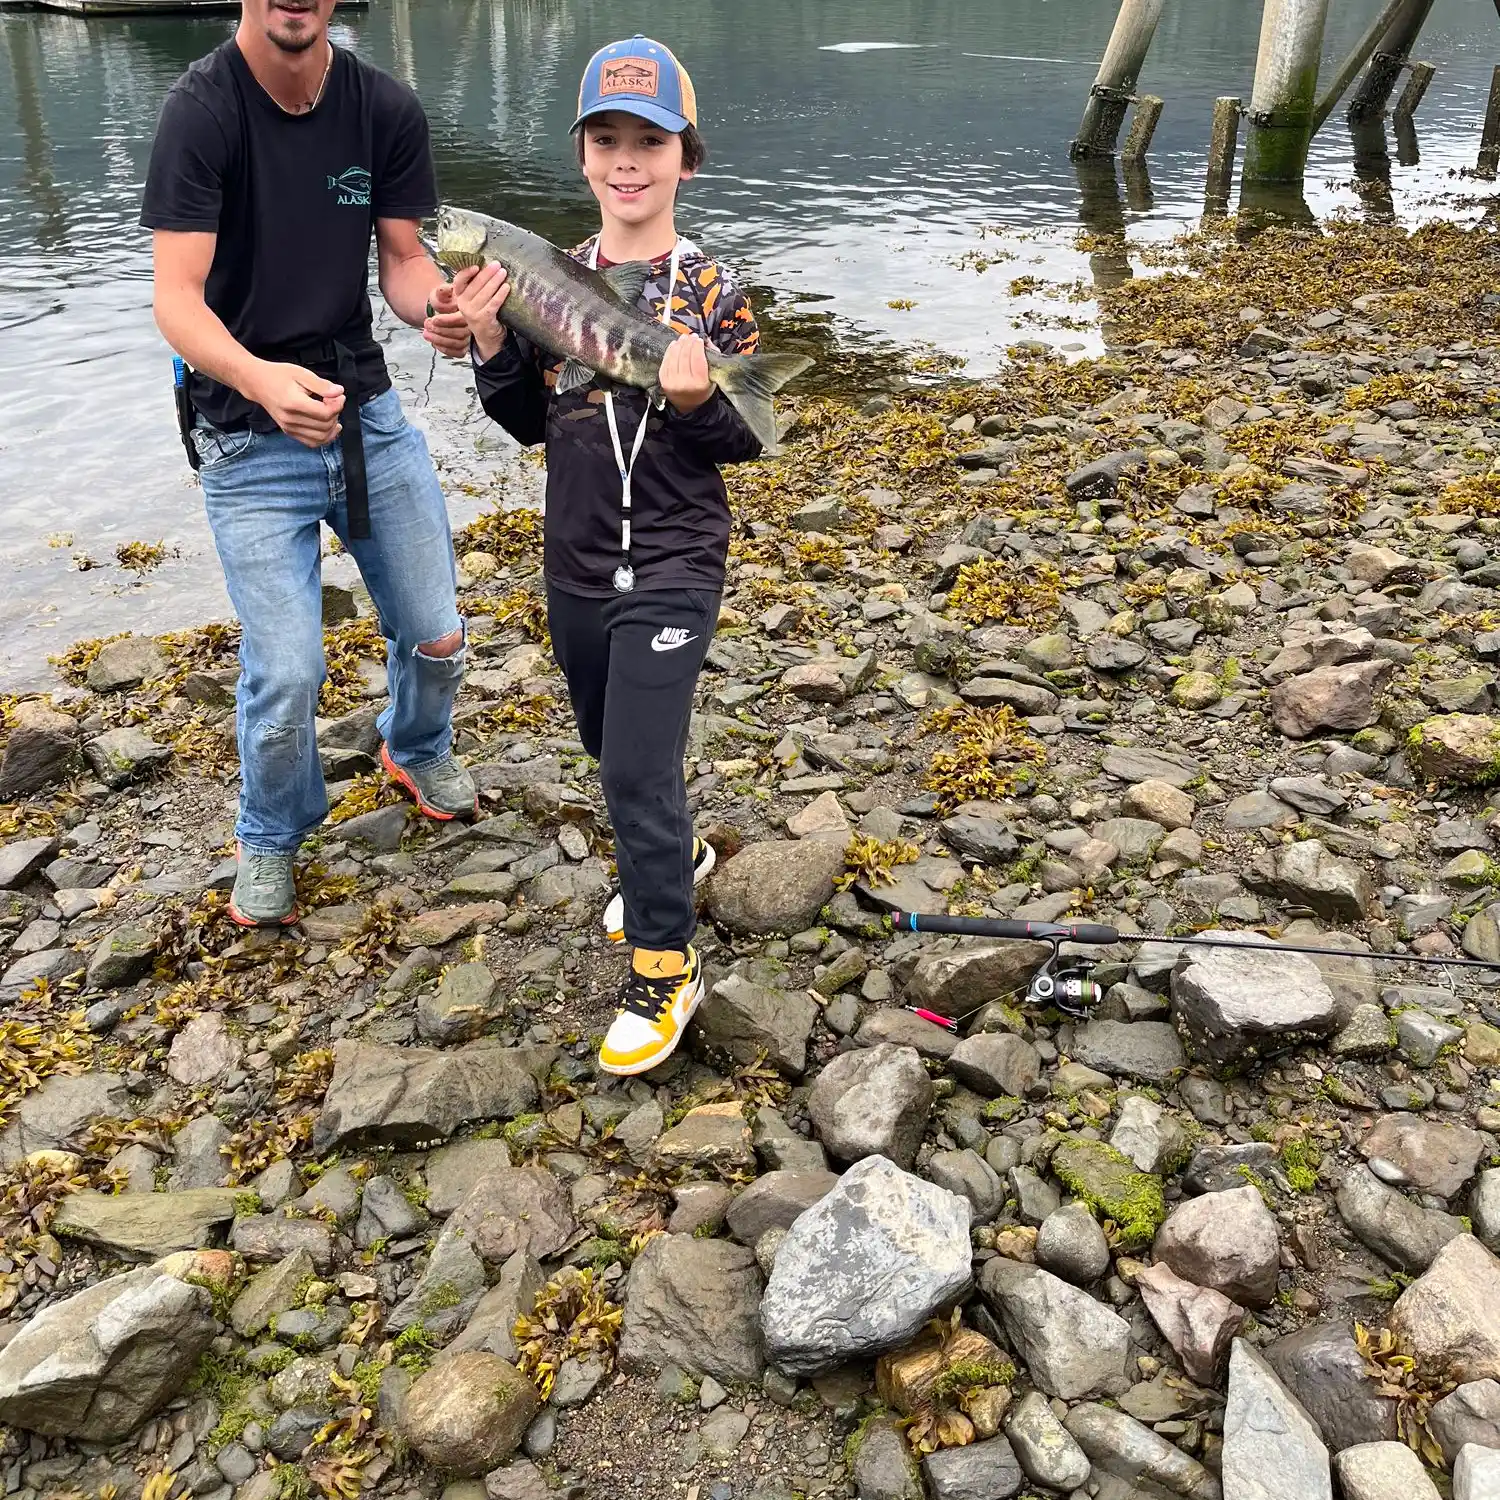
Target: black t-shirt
293, 200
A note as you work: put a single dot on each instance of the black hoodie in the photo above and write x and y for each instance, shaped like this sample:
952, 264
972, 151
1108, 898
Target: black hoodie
679, 507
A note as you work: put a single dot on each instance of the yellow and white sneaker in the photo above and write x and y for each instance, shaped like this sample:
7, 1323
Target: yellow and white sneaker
614, 913
656, 1004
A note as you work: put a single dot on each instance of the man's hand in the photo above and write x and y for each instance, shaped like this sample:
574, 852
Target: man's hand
303, 405
684, 374
446, 330
479, 293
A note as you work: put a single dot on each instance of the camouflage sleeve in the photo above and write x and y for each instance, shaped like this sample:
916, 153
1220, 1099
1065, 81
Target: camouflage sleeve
727, 314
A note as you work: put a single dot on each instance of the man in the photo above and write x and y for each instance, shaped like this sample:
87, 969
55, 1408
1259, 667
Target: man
276, 157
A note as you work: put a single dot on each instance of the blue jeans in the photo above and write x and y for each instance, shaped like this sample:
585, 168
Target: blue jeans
266, 494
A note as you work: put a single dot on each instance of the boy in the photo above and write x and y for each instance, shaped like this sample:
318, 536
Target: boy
637, 520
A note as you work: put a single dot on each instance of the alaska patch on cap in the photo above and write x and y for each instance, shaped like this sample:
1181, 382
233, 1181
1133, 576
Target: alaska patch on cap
630, 75
641, 77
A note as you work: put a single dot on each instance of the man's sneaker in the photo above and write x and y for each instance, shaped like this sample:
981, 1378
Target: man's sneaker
442, 790
655, 1008
614, 912
265, 891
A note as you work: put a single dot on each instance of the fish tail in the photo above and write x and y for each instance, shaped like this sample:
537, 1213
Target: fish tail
750, 380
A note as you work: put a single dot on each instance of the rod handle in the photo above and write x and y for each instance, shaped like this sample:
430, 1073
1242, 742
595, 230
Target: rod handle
999, 927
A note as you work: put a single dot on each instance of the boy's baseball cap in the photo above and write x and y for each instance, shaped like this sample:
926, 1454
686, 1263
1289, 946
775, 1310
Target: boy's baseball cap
640, 77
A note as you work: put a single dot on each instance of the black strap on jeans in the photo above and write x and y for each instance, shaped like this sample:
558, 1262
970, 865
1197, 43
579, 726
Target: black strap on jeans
331, 354
339, 356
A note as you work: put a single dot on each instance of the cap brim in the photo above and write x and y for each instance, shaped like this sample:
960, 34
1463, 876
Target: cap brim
643, 109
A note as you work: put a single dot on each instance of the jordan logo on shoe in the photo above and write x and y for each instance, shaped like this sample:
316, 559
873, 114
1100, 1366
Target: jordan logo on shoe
670, 637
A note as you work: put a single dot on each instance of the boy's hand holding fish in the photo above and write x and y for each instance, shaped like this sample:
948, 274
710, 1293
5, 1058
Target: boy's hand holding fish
480, 292
684, 374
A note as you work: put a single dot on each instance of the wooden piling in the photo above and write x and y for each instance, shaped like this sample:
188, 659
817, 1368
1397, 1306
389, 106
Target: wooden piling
1489, 145
1422, 74
1374, 94
1147, 113
1221, 150
1348, 71
1284, 99
1110, 97
1408, 152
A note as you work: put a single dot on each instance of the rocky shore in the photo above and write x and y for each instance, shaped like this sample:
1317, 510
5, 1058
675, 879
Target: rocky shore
1197, 637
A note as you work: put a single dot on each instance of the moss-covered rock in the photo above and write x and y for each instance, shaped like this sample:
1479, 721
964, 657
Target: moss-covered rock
1458, 749
1111, 1184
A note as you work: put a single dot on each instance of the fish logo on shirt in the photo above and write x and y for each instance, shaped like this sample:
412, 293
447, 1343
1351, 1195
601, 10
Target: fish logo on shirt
352, 186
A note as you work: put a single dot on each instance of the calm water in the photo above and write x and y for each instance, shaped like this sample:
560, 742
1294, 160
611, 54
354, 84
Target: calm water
857, 151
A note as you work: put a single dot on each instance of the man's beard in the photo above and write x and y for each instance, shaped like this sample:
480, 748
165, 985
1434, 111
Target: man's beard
295, 44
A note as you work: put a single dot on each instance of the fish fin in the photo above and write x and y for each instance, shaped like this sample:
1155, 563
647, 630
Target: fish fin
750, 380
460, 260
573, 375
657, 397
627, 280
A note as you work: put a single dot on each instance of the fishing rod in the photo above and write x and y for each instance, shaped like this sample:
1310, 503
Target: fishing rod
1067, 982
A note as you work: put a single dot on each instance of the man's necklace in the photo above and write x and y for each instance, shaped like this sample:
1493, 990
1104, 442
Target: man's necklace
317, 98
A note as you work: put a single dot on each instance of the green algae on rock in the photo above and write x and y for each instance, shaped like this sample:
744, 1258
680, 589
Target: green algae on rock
1463, 749
1111, 1184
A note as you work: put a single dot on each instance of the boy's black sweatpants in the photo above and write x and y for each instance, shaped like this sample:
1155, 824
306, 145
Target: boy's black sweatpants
632, 665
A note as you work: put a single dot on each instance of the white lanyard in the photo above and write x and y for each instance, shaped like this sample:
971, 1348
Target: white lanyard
624, 578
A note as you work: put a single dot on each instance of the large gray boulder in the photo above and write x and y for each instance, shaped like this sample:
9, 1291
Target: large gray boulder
1073, 1346
979, 1471
1118, 1444
694, 1303
953, 976
147, 1225
66, 1105
775, 887
1332, 697
884, 1468
1450, 1317
514, 1208
98, 1364
872, 1102
1383, 1471
1476, 1475
1397, 1229
40, 749
1147, 1050
1471, 1414
410, 1096
1249, 1000
1226, 1241
880, 1228
21, 859
126, 663
1047, 1452
776, 1201
1272, 1447
1322, 1367
743, 1021
995, 1063
1333, 887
